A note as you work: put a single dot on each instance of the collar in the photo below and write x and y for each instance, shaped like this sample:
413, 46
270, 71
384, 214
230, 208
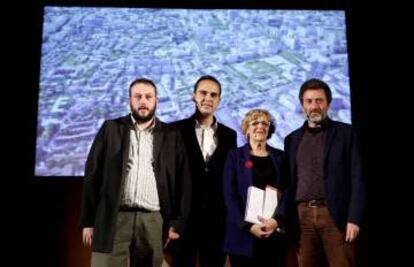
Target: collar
213, 126
321, 127
149, 128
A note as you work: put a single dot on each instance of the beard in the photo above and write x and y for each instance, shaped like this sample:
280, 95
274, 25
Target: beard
143, 118
316, 118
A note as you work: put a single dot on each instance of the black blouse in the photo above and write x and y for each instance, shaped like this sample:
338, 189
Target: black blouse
264, 172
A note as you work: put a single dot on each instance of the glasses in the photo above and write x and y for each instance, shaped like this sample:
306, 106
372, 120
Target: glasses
256, 123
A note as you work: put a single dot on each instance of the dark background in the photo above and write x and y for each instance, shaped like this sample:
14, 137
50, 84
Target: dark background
43, 212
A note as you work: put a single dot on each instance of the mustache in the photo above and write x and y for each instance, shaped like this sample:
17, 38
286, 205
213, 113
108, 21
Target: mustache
318, 110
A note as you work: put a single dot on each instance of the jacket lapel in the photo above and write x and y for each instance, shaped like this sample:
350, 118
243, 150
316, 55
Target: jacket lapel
220, 141
330, 133
275, 162
294, 150
125, 134
245, 171
190, 128
158, 139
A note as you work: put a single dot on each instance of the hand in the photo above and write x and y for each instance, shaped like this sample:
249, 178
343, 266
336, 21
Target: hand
352, 231
256, 230
172, 235
269, 225
87, 236
265, 228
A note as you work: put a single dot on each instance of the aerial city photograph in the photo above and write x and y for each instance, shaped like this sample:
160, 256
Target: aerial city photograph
90, 55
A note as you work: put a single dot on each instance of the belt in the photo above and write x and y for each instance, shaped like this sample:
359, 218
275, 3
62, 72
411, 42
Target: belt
132, 209
313, 203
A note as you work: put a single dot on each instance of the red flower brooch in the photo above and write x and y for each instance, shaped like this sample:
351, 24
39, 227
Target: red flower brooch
248, 164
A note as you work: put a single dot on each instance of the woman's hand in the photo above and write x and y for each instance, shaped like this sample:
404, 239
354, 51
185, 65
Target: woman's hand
265, 228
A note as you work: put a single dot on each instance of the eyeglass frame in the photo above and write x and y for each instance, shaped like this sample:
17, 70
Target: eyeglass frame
256, 123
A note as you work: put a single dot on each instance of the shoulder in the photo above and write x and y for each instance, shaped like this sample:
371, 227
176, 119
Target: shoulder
235, 152
275, 151
120, 120
341, 126
226, 131
167, 127
117, 122
171, 132
241, 152
226, 128
294, 133
181, 124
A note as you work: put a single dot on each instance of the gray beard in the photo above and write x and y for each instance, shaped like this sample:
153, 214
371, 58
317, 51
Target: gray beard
316, 119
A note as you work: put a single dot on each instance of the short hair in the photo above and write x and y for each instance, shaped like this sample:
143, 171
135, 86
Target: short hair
254, 114
209, 78
314, 84
144, 81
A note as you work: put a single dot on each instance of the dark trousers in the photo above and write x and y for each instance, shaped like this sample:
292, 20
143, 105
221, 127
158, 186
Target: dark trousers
137, 242
321, 242
202, 241
270, 252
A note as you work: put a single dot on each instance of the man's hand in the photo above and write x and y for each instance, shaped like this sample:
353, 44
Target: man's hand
352, 231
87, 236
172, 235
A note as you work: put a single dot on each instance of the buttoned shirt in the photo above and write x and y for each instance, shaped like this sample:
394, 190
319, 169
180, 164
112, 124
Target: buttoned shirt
140, 188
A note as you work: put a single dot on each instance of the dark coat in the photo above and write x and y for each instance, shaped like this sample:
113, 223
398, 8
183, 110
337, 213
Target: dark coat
105, 170
237, 178
343, 174
207, 178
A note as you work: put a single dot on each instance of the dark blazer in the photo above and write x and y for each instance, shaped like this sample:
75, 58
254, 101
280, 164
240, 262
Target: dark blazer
106, 167
343, 174
207, 178
237, 179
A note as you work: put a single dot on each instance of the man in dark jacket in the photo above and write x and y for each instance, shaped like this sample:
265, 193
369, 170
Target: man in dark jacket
136, 187
327, 193
207, 143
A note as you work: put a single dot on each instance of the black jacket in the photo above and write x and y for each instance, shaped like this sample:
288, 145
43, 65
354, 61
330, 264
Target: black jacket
105, 169
343, 174
207, 178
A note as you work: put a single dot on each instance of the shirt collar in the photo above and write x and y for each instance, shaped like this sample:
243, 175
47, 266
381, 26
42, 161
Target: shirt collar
149, 128
213, 126
321, 127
